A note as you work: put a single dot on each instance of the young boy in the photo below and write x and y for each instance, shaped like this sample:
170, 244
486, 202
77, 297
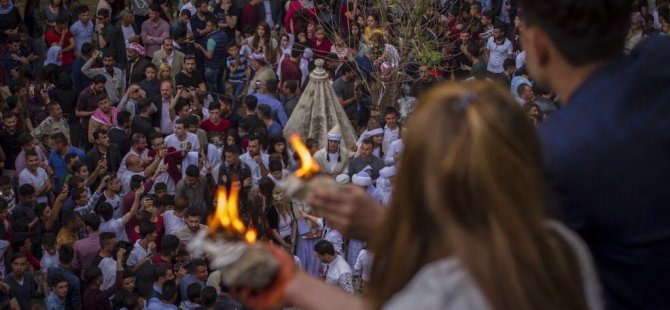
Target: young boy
237, 66
150, 85
21, 282
59, 289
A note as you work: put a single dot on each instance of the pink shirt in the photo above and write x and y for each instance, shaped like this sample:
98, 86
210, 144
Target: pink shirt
153, 35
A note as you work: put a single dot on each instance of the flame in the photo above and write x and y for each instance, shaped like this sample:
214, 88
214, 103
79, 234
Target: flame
308, 166
227, 217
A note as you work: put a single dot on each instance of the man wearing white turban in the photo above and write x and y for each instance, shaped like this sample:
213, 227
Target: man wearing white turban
333, 159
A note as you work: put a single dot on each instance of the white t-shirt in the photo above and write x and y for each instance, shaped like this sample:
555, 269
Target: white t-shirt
497, 54
115, 226
108, 267
173, 141
26, 177
172, 222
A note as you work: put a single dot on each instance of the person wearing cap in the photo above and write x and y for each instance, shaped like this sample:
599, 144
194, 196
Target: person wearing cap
136, 63
385, 184
333, 159
264, 73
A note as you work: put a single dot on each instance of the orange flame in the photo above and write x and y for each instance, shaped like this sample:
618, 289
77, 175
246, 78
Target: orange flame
226, 215
308, 167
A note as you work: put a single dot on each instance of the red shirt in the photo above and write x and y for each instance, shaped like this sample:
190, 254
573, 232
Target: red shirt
320, 50
290, 70
208, 126
248, 17
54, 37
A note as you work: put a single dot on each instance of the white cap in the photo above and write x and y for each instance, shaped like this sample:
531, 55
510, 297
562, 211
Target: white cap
362, 178
374, 132
342, 179
387, 172
335, 133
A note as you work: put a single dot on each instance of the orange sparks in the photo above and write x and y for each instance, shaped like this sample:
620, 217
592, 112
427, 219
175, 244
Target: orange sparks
308, 167
227, 217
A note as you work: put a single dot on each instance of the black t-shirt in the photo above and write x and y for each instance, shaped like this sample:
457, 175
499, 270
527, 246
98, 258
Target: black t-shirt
189, 81
220, 16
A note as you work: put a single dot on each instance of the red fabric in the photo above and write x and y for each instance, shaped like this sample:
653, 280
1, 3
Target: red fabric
295, 13
223, 125
248, 17
320, 50
32, 260
54, 37
290, 70
172, 159
128, 200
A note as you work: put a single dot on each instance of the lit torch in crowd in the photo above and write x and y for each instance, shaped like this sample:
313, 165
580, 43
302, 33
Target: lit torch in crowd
300, 183
232, 246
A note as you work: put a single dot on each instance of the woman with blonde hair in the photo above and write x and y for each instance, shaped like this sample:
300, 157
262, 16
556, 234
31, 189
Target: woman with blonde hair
466, 228
165, 73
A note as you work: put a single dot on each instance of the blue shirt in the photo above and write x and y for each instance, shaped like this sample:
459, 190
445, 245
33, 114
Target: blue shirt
53, 302
82, 34
186, 281
79, 79
274, 130
607, 161
57, 162
278, 113
73, 298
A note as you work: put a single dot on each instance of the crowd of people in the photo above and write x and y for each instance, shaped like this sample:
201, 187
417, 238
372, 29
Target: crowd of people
120, 121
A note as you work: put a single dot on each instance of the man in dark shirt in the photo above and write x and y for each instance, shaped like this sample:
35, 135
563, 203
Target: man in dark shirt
103, 149
252, 119
22, 283
364, 159
26, 206
346, 90
87, 102
9, 141
142, 122
606, 152
119, 134
290, 66
190, 79
228, 112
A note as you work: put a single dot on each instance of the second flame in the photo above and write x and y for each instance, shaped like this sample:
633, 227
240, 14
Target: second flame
308, 167
226, 216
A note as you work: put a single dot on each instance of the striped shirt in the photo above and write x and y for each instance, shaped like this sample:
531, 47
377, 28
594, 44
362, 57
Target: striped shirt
239, 75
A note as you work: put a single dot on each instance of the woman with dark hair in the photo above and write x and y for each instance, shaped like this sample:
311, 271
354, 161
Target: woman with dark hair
262, 42
278, 146
54, 11
283, 225
465, 229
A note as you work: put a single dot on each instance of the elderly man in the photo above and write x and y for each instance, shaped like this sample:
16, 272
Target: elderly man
264, 73
333, 159
136, 63
168, 55
54, 123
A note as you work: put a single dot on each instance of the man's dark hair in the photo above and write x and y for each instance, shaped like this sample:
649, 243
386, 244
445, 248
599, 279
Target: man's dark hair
185, 12
82, 8
26, 190
106, 236
49, 239
192, 212
192, 171
87, 49
291, 85
99, 79
30, 153
583, 31
521, 87
65, 254
109, 53
311, 142
147, 228
250, 102
92, 220
104, 13
194, 264
123, 117
169, 291
208, 296
57, 279
368, 141
92, 273
10, 114
297, 50
233, 149
155, 7
324, 247
271, 86
348, 67
59, 137
500, 26
193, 292
159, 271
509, 64
25, 138
169, 244
215, 106
98, 132
105, 210
264, 111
